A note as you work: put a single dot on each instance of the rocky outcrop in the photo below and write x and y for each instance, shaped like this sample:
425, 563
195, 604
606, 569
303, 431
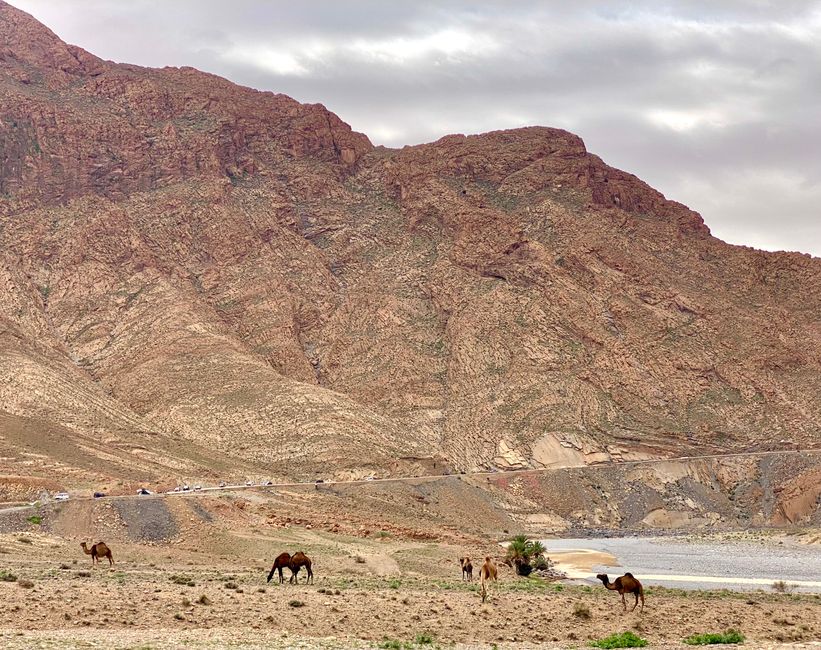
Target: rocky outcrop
207, 264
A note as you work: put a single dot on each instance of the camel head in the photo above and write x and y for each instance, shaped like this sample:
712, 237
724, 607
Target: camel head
603, 577
463, 561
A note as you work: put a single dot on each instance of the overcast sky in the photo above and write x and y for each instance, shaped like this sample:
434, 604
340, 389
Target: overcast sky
716, 103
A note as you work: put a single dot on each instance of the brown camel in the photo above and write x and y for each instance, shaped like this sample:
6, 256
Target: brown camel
627, 584
298, 560
97, 551
283, 560
487, 573
467, 568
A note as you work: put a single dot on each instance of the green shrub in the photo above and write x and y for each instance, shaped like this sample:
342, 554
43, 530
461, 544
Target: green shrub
730, 636
296, 603
35, 519
424, 638
5, 576
25, 584
623, 640
204, 600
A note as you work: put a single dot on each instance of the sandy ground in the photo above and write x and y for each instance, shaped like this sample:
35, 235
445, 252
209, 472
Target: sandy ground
365, 591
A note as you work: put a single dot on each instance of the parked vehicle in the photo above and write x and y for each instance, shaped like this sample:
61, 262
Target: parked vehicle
249, 483
143, 491
370, 478
319, 480
198, 487
99, 495
61, 496
185, 488
269, 482
222, 483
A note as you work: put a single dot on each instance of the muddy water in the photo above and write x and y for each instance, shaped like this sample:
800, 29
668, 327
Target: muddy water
686, 564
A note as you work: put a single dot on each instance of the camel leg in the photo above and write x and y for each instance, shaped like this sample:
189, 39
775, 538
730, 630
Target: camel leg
623, 602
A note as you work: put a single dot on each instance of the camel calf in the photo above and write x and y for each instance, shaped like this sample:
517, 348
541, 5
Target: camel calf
627, 584
467, 568
487, 573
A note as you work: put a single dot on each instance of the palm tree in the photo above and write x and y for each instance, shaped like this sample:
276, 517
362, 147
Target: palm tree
518, 552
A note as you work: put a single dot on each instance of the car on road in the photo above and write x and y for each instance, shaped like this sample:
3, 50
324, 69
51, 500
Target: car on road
185, 488
370, 478
222, 483
198, 487
143, 491
319, 480
269, 482
249, 483
61, 496
99, 495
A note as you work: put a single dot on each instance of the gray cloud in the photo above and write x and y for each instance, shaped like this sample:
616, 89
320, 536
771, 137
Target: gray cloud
718, 105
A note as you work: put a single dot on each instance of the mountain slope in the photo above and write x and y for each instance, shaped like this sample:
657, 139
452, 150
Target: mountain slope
214, 265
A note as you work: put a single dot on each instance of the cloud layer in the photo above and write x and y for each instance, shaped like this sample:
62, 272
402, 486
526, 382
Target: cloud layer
718, 105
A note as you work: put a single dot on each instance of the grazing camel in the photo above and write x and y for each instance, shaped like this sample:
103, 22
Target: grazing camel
467, 568
487, 573
627, 584
283, 560
97, 551
299, 559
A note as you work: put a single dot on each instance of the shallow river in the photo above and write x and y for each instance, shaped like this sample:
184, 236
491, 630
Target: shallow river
677, 562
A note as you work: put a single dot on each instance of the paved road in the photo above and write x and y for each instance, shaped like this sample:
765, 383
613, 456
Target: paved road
432, 477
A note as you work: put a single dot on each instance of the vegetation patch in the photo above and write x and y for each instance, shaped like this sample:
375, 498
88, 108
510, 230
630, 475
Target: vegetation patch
522, 553
25, 584
622, 640
296, 603
580, 610
35, 519
5, 576
730, 636
182, 580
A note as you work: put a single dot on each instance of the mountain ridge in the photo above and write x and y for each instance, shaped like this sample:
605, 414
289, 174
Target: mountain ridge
228, 268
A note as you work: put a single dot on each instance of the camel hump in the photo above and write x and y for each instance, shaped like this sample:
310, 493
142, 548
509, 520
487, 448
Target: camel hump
630, 575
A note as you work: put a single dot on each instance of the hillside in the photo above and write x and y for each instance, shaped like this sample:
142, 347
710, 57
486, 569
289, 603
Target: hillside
200, 278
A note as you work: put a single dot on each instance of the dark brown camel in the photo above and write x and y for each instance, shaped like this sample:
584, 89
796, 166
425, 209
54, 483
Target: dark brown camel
627, 584
487, 573
298, 560
283, 560
467, 568
97, 551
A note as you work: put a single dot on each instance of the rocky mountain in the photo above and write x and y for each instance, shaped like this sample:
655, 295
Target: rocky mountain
199, 277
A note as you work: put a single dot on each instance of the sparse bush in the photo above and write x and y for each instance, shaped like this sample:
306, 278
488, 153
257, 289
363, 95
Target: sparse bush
25, 584
5, 576
84, 574
391, 644
35, 519
382, 534
580, 610
730, 636
204, 600
182, 580
261, 590
186, 602
781, 587
296, 603
64, 566
622, 640
395, 584
230, 585
179, 616
25, 540
359, 559
424, 638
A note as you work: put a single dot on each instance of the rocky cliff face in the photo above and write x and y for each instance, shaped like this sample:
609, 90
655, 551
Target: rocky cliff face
186, 260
